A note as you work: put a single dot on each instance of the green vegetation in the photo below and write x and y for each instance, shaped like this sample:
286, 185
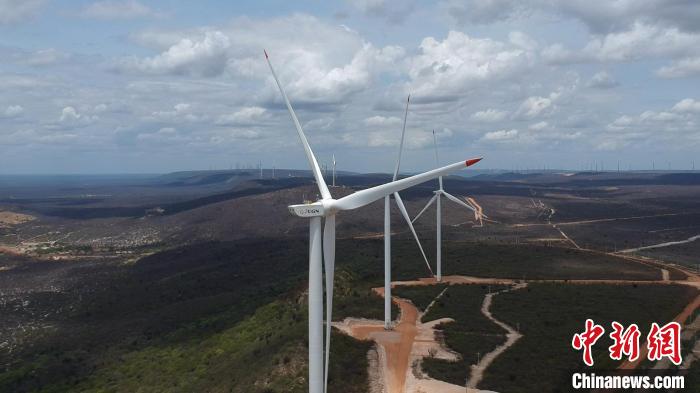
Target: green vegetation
539, 262
550, 314
471, 334
206, 317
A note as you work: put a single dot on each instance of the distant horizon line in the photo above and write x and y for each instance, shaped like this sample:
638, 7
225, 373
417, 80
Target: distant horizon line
480, 170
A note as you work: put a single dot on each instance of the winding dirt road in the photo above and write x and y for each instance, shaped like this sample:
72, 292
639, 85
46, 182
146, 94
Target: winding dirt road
512, 336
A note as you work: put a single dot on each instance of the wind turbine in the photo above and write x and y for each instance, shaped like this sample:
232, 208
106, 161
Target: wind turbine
333, 170
322, 242
437, 198
387, 230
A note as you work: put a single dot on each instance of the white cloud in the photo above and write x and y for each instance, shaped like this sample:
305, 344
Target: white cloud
13, 11
69, 114
205, 56
393, 11
539, 126
13, 111
489, 116
600, 16
112, 9
537, 106
317, 62
244, 116
687, 105
465, 12
71, 117
640, 41
447, 69
681, 68
381, 121
602, 80
500, 136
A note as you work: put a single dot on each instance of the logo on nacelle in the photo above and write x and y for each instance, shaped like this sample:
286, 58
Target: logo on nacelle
314, 210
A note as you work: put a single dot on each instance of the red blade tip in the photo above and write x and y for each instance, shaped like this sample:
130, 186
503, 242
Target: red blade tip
265, 54
473, 161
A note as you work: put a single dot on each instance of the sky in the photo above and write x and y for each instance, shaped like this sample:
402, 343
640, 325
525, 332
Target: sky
129, 86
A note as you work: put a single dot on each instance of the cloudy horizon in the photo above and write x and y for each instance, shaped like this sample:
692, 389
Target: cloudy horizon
133, 86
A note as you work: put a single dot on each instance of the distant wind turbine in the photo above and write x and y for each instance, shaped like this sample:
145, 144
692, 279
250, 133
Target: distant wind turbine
387, 230
322, 242
437, 198
333, 170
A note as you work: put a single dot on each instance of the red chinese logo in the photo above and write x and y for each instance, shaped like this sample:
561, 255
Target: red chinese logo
625, 341
662, 342
587, 339
665, 342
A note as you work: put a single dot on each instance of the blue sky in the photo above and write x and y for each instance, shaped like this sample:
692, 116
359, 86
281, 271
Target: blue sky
134, 86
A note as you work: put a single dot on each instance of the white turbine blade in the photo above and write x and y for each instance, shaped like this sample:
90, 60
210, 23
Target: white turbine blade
427, 205
404, 213
458, 201
403, 133
318, 176
437, 162
329, 260
369, 195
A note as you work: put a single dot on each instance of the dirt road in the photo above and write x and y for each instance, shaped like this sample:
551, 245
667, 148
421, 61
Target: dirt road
512, 336
603, 220
660, 245
396, 344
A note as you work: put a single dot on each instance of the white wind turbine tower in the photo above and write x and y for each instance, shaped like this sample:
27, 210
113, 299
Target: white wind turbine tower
322, 243
387, 230
333, 170
437, 198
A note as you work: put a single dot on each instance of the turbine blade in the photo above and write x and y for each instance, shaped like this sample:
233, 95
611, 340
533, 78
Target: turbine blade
427, 205
315, 169
458, 201
437, 162
329, 260
369, 195
403, 134
404, 213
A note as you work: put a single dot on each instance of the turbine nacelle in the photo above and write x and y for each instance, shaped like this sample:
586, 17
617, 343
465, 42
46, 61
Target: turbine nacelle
307, 210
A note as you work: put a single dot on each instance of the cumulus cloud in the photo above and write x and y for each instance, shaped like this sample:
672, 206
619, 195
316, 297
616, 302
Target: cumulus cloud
382, 121
70, 117
13, 11
640, 41
687, 105
489, 115
681, 68
244, 116
318, 63
537, 106
112, 9
205, 56
13, 111
180, 112
539, 126
602, 80
69, 114
444, 70
500, 136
